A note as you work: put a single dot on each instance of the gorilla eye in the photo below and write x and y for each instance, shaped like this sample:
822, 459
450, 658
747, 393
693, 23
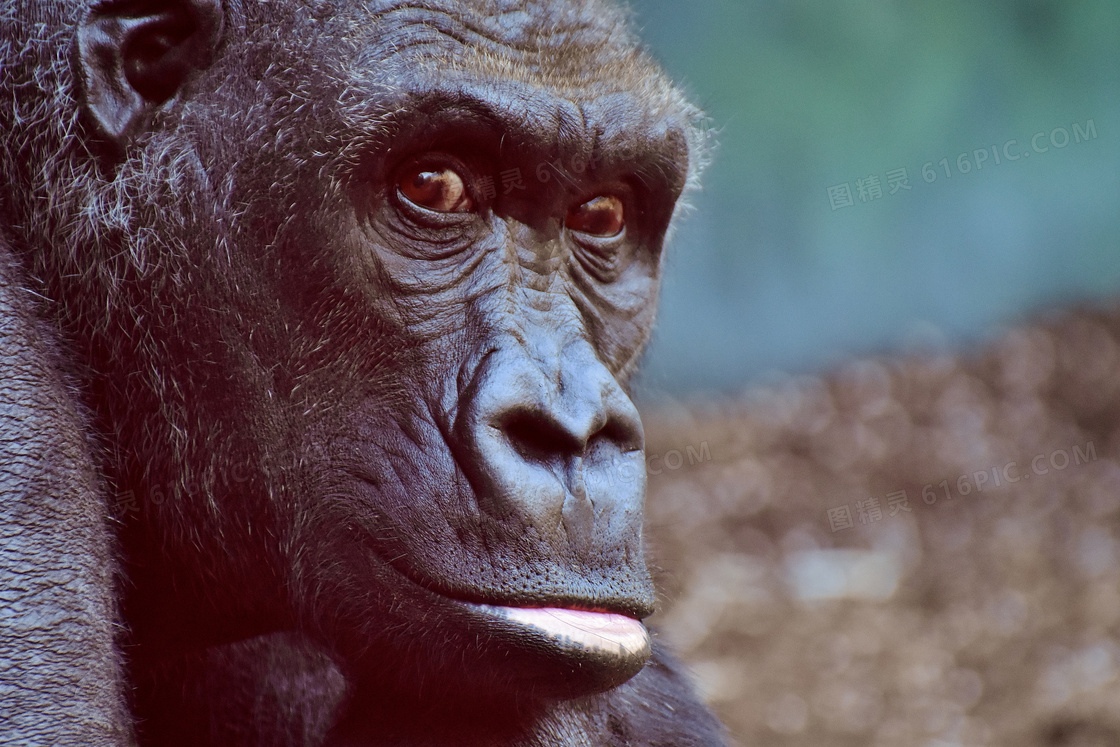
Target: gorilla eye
599, 216
441, 190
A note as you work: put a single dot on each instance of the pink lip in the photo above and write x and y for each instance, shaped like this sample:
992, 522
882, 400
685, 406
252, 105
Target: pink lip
602, 632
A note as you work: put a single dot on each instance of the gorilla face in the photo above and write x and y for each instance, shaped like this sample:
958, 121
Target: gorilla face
365, 339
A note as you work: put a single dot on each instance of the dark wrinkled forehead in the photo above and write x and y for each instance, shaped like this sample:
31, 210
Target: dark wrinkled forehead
580, 49
559, 76
554, 65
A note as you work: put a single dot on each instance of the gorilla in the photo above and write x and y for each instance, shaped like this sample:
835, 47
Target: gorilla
318, 322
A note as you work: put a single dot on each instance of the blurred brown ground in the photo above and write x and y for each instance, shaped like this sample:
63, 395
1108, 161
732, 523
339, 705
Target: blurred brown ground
986, 618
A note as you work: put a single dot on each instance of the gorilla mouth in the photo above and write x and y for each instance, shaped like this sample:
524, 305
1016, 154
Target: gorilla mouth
549, 652
587, 651
597, 635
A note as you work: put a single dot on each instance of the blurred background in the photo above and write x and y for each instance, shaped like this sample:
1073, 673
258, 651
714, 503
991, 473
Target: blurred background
771, 272
883, 401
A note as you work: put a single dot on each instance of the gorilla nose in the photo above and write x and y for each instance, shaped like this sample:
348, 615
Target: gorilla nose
558, 427
554, 441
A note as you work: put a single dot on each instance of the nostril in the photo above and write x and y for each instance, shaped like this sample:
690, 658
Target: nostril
538, 438
618, 432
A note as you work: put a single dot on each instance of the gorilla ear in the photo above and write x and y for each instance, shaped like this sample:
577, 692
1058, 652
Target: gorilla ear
135, 55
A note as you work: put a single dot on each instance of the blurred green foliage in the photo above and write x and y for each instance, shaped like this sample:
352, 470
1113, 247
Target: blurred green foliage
765, 274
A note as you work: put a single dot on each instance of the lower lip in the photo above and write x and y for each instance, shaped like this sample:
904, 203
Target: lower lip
601, 634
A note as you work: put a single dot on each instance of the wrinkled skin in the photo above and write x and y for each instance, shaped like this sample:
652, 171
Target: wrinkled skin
358, 403
56, 561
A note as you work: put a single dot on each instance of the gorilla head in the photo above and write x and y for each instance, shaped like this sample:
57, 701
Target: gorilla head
358, 289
